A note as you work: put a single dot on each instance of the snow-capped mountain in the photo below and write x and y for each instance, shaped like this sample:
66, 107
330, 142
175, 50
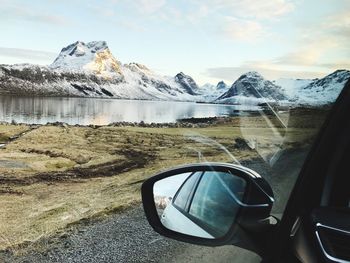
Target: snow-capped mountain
187, 82
252, 86
211, 92
324, 90
94, 57
90, 70
222, 86
315, 91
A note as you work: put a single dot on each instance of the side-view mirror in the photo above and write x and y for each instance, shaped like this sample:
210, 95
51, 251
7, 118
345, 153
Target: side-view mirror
210, 204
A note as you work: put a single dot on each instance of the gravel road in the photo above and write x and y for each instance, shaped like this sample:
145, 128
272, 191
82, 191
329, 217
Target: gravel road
127, 237
123, 237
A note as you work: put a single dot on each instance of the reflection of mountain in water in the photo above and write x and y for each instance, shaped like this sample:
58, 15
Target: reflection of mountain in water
86, 111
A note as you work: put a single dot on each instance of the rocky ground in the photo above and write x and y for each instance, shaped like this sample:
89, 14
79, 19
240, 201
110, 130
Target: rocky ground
123, 237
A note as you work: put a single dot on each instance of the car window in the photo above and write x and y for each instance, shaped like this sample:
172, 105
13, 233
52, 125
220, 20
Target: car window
98, 96
183, 196
215, 200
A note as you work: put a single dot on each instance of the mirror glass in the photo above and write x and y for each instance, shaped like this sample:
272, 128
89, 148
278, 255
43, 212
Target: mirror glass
202, 203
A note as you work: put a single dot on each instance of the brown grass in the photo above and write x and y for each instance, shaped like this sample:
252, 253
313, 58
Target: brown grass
54, 176
8, 131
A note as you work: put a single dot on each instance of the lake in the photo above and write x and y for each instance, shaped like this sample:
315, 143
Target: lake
85, 111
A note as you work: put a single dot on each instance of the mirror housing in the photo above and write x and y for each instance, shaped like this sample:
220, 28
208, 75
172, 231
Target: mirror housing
253, 218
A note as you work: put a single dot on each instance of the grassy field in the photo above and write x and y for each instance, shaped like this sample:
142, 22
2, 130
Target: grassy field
54, 176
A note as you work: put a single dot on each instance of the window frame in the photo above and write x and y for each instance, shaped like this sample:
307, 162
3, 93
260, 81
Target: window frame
208, 228
191, 194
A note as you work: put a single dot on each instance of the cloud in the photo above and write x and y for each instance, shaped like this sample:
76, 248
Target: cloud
324, 44
335, 65
238, 20
242, 20
199, 13
131, 25
230, 74
105, 12
307, 61
252, 8
149, 6
337, 28
306, 54
27, 54
311, 59
15, 13
242, 30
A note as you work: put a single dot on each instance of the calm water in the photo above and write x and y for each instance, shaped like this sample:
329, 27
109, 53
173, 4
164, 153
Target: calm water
84, 111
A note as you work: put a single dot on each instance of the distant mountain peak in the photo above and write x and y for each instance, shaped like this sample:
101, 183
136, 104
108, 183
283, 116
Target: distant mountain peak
93, 56
181, 74
221, 85
187, 82
137, 67
79, 48
252, 84
251, 75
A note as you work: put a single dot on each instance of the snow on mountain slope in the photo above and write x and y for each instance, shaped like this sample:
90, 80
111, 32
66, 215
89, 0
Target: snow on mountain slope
207, 89
292, 86
222, 86
210, 92
324, 90
187, 83
138, 78
254, 88
315, 91
94, 57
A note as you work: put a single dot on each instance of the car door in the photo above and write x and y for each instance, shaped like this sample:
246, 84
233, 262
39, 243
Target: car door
316, 223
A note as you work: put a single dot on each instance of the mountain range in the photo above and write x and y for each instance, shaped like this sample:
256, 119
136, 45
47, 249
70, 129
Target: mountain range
252, 88
90, 70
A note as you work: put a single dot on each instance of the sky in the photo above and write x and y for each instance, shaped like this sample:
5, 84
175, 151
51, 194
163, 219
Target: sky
210, 40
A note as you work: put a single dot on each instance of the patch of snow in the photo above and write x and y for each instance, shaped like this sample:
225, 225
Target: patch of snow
210, 92
292, 86
244, 100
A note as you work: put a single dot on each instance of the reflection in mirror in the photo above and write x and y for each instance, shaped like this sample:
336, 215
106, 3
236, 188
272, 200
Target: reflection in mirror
202, 203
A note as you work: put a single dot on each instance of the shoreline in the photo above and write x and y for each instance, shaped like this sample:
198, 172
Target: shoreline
192, 122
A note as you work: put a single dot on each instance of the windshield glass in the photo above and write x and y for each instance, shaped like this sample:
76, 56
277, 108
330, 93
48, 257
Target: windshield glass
98, 96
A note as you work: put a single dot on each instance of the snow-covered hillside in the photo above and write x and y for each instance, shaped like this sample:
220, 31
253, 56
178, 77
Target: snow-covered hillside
211, 92
187, 82
93, 57
91, 70
252, 88
324, 90
292, 86
316, 91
